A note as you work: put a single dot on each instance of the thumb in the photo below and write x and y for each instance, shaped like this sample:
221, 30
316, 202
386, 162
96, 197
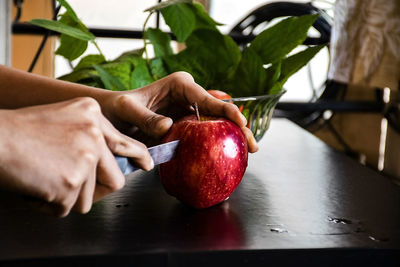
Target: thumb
149, 122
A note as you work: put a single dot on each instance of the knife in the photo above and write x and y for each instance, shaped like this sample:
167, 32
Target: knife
160, 154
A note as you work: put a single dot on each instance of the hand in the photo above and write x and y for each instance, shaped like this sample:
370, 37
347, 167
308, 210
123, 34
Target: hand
62, 154
171, 96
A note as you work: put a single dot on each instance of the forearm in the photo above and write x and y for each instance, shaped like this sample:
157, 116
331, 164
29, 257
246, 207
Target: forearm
20, 89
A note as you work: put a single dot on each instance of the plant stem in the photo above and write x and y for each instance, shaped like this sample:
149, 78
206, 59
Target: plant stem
196, 108
144, 38
98, 48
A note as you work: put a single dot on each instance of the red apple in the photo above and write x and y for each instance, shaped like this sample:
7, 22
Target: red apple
210, 160
219, 94
222, 95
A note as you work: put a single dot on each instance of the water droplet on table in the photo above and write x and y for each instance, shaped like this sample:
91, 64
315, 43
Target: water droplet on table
380, 239
339, 220
278, 230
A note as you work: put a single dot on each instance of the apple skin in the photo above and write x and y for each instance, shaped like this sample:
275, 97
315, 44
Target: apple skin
209, 163
222, 95
219, 94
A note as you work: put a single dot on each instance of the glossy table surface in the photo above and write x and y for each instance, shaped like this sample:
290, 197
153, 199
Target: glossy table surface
300, 203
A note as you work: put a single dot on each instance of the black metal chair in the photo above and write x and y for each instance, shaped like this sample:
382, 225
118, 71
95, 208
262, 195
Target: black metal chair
243, 32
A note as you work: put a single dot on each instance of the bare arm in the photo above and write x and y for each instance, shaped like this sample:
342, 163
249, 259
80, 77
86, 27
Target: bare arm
138, 107
57, 145
21, 89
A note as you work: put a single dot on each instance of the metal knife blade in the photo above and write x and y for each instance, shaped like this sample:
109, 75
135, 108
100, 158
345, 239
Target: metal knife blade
160, 154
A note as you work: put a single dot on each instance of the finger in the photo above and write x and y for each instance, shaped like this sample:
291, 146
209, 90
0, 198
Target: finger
135, 113
123, 145
134, 150
190, 92
109, 175
251, 141
42, 206
85, 198
52, 209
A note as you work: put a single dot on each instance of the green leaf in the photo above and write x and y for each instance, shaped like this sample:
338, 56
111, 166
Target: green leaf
294, 63
95, 79
109, 81
166, 4
250, 77
203, 19
181, 19
210, 57
126, 56
274, 43
140, 75
276, 88
78, 76
62, 28
69, 9
196, 67
220, 53
70, 47
273, 73
160, 41
158, 69
88, 61
120, 70
185, 16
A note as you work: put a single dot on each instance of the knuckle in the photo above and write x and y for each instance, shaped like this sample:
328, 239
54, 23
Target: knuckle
114, 146
117, 183
182, 77
142, 150
119, 146
93, 132
89, 104
72, 181
89, 158
122, 101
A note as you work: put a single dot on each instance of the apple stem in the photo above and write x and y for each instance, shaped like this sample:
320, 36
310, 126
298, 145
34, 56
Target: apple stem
196, 108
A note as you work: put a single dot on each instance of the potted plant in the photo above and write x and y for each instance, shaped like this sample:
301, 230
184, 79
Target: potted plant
254, 76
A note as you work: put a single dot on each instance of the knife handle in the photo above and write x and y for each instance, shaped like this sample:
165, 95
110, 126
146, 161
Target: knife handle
125, 166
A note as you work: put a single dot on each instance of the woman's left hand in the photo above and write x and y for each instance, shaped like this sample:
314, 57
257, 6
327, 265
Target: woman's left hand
151, 108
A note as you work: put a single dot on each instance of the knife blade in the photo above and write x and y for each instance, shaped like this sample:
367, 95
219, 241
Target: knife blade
160, 154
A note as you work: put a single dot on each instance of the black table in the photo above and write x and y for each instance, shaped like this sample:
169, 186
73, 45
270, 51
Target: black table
300, 203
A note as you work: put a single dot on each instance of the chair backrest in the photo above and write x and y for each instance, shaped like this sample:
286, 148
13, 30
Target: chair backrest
243, 33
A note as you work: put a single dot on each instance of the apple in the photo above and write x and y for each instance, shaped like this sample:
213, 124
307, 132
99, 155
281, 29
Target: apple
209, 163
222, 95
219, 94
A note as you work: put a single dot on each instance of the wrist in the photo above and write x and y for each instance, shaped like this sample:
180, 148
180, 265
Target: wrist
106, 98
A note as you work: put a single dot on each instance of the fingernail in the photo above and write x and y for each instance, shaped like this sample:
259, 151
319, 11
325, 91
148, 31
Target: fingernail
255, 148
243, 119
254, 145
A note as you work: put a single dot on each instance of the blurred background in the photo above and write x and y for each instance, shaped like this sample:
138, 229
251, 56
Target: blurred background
331, 97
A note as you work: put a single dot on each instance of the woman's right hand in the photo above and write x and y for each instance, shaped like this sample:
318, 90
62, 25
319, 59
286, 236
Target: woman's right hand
62, 154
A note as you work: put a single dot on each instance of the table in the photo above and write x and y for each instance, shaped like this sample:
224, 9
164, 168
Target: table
300, 203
